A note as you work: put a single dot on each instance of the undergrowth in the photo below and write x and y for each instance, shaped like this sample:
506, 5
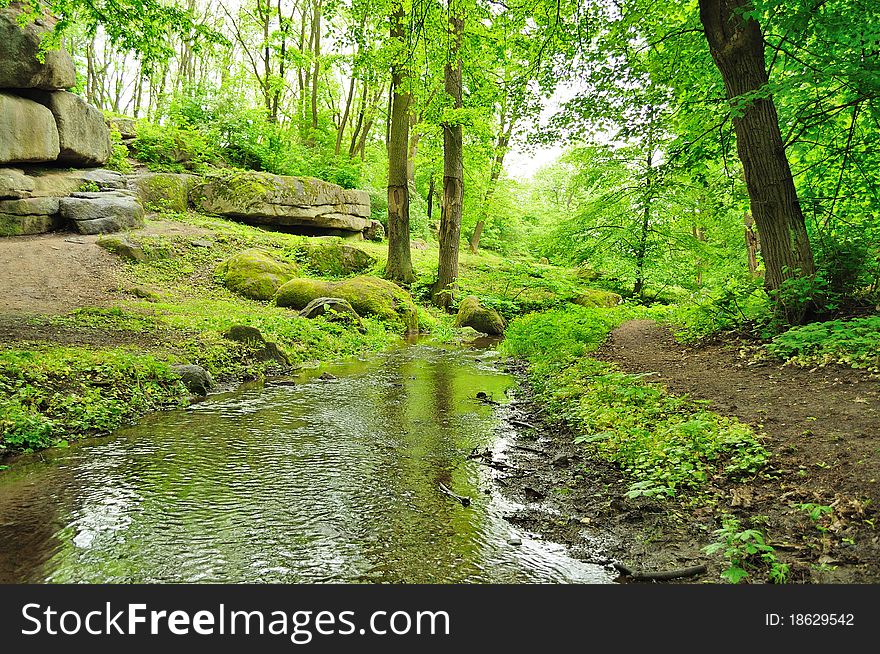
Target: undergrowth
666, 443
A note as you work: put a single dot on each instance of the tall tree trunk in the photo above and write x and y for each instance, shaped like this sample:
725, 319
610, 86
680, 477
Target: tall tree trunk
399, 266
752, 243
453, 177
642, 243
737, 47
431, 186
316, 26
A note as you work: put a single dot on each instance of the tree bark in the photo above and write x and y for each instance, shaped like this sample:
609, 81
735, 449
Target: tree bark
453, 170
737, 47
399, 266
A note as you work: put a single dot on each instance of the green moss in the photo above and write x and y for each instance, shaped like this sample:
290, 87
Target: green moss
255, 274
595, 298
164, 191
370, 296
472, 314
337, 259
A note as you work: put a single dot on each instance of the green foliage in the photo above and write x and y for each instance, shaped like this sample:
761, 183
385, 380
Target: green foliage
853, 342
664, 442
172, 148
118, 160
54, 393
747, 553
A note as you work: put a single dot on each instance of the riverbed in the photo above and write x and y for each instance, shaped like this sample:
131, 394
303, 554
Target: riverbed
336, 475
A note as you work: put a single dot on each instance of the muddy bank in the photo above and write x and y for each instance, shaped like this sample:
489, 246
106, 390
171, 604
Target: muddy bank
570, 498
821, 427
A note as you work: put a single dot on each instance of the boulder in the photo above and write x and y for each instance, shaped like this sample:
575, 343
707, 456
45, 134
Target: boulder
127, 127
28, 133
163, 191
333, 309
129, 249
197, 380
375, 231
29, 216
265, 351
244, 334
101, 213
472, 314
368, 296
15, 184
59, 183
280, 201
596, 298
255, 274
19, 50
83, 136
332, 257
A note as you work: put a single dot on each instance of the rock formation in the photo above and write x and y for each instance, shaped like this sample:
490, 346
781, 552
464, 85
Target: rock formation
41, 124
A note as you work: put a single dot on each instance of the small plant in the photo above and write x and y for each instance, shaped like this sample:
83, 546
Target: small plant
747, 553
816, 513
89, 187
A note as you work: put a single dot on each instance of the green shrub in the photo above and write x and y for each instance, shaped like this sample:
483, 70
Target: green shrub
853, 342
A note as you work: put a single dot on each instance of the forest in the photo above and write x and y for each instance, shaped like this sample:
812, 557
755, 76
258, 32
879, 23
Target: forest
638, 239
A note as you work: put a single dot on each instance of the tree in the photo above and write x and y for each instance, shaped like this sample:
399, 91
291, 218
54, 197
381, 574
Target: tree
737, 47
453, 175
399, 265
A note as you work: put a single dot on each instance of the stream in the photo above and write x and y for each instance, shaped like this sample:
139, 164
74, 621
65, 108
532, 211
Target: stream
323, 480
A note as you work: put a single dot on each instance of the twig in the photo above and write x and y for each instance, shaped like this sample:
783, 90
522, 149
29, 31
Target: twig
528, 449
667, 575
521, 423
465, 501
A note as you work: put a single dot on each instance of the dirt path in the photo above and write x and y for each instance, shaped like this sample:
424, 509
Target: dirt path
825, 419
55, 273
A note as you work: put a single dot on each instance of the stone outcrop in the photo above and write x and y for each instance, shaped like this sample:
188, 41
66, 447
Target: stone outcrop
332, 258
368, 296
164, 191
255, 274
101, 213
473, 314
83, 137
596, 298
40, 121
27, 131
19, 50
333, 308
197, 380
38, 201
301, 204
29, 216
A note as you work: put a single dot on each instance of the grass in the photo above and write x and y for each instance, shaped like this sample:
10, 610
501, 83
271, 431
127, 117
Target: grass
665, 443
51, 394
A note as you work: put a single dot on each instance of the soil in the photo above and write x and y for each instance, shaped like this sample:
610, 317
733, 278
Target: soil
31, 283
821, 425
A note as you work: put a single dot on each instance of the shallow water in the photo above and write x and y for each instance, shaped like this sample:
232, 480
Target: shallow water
321, 481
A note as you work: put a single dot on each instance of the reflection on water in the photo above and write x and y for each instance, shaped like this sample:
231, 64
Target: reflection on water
323, 481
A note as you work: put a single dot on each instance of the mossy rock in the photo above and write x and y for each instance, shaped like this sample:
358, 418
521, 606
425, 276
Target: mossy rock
596, 298
368, 296
255, 274
130, 249
473, 314
164, 191
334, 258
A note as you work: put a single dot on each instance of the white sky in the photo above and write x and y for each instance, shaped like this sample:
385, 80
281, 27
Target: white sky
522, 162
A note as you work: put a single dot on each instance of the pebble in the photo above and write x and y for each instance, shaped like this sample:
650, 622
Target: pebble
515, 540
